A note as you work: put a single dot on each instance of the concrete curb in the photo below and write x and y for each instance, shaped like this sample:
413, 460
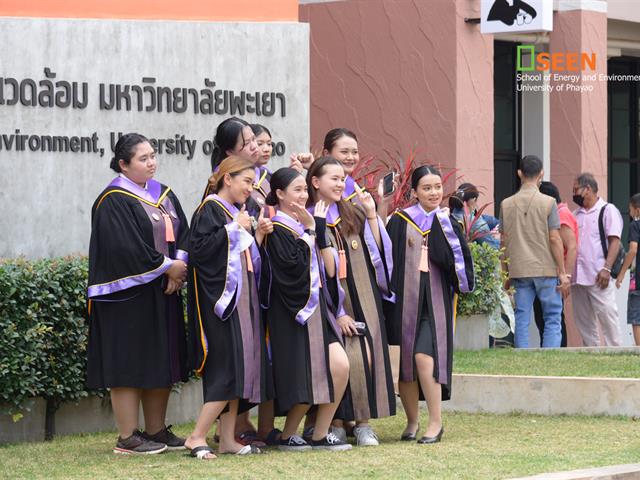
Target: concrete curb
614, 472
634, 350
500, 394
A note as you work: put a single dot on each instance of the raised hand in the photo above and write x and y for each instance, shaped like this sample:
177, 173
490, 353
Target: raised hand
320, 209
295, 163
306, 159
366, 200
303, 216
243, 218
265, 226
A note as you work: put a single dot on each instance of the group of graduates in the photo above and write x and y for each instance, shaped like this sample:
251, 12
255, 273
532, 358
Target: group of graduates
297, 282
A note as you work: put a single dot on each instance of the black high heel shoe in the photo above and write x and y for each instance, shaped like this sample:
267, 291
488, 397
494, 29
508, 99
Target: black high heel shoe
428, 440
410, 437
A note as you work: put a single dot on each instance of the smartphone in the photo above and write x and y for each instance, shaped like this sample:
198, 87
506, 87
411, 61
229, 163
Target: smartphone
361, 327
387, 184
268, 211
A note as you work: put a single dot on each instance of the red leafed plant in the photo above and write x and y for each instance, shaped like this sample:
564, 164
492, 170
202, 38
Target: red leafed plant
371, 169
471, 233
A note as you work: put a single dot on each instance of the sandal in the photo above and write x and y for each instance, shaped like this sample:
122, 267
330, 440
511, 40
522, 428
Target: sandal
250, 438
201, 452
246, 450
273, 438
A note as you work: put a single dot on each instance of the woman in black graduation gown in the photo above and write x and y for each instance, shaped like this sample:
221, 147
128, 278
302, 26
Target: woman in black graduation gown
365, 263
431, 264
310, 366
226, 333
137, 264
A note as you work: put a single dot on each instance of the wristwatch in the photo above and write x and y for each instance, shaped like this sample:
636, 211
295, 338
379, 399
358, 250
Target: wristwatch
310, 231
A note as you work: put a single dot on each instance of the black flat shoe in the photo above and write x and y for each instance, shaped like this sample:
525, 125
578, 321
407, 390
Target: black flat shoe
409, 437
427, 440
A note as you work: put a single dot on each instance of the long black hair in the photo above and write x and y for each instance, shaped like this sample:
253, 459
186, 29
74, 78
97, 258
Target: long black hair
125, 149
423, 171
352, 216
336, 134
226, 138
280, 180
259, 129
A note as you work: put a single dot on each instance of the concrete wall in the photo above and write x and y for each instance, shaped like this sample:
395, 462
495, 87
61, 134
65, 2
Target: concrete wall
93, 414
46, 197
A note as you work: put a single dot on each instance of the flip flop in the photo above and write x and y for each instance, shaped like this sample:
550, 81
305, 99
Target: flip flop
250, 438
201, 452
246, 450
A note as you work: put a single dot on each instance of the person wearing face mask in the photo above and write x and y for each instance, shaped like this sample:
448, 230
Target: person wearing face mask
594, 305
534, 259
633, 302
431, 264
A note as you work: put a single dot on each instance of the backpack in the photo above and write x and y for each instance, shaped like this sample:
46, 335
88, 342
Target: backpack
617, 264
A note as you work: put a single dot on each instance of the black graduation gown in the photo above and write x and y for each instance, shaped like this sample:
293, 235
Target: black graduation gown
450, 272
370, 392
299, 352
226, 335
136, 332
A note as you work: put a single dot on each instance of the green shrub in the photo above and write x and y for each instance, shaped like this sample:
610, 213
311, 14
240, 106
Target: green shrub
489, 280
43, 331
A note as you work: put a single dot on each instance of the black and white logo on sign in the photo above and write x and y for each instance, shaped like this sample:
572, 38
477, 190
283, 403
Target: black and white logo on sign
516, 16
512, 11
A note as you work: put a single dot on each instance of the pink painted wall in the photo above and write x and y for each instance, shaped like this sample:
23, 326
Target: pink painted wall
405, 74
579, 120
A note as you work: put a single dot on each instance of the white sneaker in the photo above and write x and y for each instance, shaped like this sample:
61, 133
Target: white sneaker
339, 432
365, 436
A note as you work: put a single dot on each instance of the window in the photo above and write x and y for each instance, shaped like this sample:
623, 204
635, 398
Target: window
507, 125
624, 112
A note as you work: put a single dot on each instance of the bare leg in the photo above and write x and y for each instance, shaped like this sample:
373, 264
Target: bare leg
228, 442
310, 419
636, 334
154, 407
294, 417
243, 423
210, 411
339, 364
432, 391
409, 395
265, 419
126, 404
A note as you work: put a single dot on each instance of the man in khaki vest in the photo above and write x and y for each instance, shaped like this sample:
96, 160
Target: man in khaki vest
534, 258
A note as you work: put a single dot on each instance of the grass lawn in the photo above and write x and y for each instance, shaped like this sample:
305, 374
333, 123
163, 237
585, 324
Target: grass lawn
474, 447
547, 363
